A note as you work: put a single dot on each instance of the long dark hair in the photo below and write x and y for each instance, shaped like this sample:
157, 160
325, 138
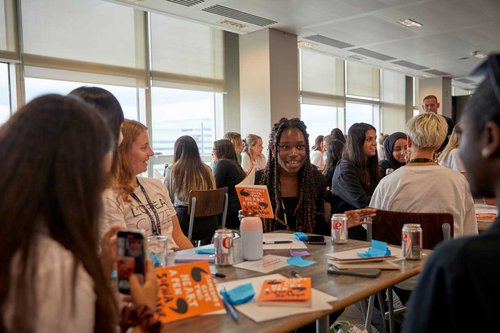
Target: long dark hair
367, 167
333, 154
188, 171
52, 178
305, 211
225, 149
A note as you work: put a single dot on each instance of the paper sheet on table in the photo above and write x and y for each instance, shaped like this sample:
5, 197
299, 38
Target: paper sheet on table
267, 264
485, 209
275, 236
258, 314
386, 264
351, 256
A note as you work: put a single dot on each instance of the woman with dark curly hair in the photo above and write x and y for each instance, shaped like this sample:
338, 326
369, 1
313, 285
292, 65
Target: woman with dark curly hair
296, 188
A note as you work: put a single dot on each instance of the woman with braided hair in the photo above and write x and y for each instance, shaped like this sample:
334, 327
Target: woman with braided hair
296, 188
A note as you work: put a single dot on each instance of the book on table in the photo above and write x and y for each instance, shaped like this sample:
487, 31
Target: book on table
254, 198
186, 291
294, 292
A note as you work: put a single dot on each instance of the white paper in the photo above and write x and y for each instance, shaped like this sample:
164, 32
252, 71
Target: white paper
258, 314
275, 236
267, 264
346, 256
485, 209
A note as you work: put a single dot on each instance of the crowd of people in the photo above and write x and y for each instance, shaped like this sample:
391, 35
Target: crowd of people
62, 220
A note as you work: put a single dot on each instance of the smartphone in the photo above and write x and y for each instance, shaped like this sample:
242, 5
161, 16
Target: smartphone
316, 240
131, 257
363, 272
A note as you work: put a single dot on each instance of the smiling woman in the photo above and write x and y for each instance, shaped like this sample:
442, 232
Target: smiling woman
134, 202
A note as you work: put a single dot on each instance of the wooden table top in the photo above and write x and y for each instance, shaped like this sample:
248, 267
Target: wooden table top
348, 290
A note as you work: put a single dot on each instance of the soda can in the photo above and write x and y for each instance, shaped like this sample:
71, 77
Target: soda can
224, 247
411, 241
339, 228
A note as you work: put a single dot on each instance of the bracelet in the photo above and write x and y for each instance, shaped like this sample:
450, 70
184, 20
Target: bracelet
141, 316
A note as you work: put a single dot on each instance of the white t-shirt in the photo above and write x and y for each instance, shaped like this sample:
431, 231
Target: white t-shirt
132, 214
317, 159
453, 161
428, 189
246, 162
54, 283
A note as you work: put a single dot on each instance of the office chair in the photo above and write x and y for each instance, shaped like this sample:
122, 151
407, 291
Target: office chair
204, 206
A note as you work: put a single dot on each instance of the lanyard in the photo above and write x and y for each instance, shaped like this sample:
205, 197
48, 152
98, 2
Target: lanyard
155, 222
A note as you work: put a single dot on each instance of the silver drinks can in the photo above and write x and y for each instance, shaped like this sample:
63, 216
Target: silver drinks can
339, 228
411, 241
224, 247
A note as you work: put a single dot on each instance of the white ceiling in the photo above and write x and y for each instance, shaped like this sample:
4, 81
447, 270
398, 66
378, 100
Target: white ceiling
452, 29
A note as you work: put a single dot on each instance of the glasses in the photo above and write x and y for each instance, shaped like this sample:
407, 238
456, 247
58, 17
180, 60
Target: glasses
286, 147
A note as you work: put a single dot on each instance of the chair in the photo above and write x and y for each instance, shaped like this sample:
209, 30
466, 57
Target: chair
204, 204
387, 226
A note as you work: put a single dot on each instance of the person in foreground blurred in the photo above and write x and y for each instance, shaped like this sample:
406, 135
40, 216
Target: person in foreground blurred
52, 279
188, 172
134, 202
395, 147
458, 290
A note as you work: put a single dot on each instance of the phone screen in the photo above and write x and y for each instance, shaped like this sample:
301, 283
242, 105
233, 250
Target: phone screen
131, 256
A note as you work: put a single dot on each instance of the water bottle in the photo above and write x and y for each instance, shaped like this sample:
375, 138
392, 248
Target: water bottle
251, 238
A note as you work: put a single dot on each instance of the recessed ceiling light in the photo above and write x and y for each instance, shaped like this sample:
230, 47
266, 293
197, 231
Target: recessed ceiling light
304, 43
410, 23
233, 24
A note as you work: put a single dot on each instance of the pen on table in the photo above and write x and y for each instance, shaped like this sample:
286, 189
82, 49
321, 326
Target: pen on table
295, 274
220, 275
229, 307
278, 242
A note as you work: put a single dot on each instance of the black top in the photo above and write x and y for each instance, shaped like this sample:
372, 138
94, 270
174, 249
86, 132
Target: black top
459, 290
390, 161
290, 203
228, 174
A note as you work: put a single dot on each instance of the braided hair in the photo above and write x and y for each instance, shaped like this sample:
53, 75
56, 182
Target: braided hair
306, 208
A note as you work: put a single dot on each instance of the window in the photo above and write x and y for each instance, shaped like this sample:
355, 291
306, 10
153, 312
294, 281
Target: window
362, 113
320, 120
4, 93
362, 81
183, 112
127, 96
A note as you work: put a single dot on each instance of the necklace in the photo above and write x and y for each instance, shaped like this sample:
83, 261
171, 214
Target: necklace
155, 222
421, 160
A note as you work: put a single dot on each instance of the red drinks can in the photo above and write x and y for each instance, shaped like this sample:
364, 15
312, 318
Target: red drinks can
224, 247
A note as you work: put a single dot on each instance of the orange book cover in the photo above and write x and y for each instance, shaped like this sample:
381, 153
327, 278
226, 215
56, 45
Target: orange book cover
186, 291
254, 198
286, 292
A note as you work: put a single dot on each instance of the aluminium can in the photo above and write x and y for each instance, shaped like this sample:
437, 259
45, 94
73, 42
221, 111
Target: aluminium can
224, 247
339, 228
411, 241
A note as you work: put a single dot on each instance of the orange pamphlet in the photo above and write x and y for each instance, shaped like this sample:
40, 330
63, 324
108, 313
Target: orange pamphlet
254, 198
286, 292
185, 291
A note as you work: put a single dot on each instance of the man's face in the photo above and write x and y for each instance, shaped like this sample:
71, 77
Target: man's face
430, 105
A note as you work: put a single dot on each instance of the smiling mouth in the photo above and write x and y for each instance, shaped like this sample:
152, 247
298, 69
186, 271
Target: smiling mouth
294, 163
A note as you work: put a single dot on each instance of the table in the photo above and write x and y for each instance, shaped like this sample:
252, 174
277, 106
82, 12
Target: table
348, 289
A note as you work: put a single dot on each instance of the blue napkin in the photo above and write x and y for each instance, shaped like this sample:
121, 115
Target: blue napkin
239, 295
205, 251
300, 236
299, 262
378, 249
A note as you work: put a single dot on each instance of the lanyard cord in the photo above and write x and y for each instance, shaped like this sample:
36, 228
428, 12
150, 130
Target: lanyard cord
155, 222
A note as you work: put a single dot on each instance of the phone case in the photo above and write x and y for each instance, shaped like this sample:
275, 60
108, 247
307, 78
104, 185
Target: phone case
131, 257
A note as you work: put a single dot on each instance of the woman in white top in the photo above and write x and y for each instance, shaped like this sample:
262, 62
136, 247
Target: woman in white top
317, 157
252, 156
52, 278
449, 156
134, 202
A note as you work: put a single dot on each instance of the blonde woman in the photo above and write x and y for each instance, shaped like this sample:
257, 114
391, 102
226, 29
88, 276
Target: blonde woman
449, 157
252, 156
237, 142
134, 202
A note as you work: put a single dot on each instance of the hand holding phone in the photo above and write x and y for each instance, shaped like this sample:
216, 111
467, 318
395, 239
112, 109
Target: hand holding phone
131, 257
363, 272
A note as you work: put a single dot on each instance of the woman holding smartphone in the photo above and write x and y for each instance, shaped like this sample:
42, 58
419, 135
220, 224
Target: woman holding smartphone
51, 277
133, 202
